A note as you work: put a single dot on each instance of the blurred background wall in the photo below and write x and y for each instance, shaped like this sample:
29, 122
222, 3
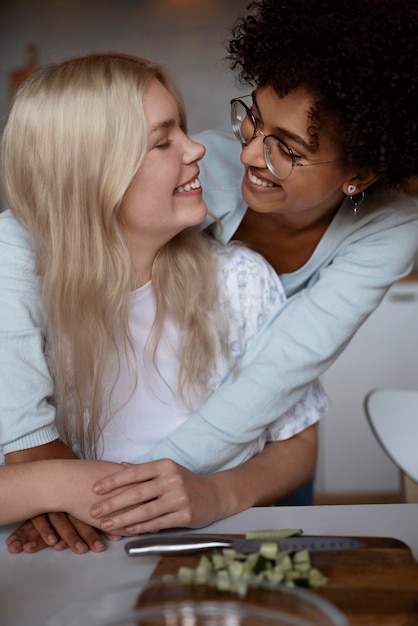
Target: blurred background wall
187, 36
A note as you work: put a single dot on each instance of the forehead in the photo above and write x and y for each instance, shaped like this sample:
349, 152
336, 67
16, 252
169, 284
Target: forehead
159, 104
297, 105
296, 113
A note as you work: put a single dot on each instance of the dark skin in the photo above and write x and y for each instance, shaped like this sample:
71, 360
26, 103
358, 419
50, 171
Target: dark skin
288, 217
286, 248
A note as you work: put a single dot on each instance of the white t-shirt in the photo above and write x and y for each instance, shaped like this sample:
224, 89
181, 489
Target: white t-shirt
251, 293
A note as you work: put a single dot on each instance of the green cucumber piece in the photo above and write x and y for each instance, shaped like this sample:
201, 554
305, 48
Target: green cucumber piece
273, 534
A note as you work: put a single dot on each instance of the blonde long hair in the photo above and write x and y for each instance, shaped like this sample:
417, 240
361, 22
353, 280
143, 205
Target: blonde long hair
75, 136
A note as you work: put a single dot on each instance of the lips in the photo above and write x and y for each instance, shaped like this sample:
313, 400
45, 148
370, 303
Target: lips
194, 184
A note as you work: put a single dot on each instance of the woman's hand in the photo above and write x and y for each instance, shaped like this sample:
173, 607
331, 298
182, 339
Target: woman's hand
156, 495
57, 530
162, 494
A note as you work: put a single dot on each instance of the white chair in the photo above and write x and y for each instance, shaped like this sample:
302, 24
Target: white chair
393, 417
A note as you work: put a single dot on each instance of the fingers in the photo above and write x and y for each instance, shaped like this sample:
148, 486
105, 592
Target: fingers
124, 477
156, 495
167, 508
43, 525
113, 537
145, 519
169, 520
142, 483
58, 531
138, 514
26, 538
134, 495
84, 535
77, 535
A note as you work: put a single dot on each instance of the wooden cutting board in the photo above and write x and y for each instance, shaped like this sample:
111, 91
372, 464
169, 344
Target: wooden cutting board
376, 584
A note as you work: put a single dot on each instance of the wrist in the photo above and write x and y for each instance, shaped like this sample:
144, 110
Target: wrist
230, 493
56, 449
56, 481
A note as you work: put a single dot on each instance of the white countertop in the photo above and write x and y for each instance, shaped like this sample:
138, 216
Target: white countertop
33, 587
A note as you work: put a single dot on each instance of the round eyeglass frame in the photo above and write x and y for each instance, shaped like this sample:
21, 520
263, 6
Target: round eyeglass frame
236, 127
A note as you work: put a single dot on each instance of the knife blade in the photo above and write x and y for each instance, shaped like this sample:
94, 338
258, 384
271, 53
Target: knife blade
179, 544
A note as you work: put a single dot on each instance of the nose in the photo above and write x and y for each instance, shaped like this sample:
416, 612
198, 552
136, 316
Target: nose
194, 151
252, 153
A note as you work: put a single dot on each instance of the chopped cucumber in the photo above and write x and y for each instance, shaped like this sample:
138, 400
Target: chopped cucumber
284, 561
303, 567
316, 579
273, 534
269, 549
218, 561
186, 574
261, 565
302, 556
229, 570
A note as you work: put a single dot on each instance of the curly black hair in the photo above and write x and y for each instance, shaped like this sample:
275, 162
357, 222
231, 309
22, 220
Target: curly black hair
359, 60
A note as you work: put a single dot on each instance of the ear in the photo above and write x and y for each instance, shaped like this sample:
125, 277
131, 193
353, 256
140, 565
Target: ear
360, 182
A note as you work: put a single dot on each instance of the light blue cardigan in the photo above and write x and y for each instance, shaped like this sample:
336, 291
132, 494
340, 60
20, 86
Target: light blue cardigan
352, 268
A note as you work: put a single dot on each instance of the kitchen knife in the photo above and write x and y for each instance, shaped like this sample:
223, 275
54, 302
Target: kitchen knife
180, 544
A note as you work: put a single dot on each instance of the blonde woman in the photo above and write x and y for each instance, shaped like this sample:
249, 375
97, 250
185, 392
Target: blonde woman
141, 316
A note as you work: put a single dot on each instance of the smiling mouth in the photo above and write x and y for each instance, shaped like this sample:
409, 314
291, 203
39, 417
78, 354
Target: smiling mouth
195, 184
259, 181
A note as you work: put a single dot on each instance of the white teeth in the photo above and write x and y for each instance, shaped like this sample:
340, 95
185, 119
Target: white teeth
189, 186
258, 181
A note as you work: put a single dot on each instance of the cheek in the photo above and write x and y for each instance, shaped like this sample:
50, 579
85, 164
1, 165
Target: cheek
313, 182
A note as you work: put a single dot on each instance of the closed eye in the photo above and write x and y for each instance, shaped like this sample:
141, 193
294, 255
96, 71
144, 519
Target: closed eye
164, 145
286, 150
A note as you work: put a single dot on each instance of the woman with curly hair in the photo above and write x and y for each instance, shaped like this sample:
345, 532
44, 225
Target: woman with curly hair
327, 139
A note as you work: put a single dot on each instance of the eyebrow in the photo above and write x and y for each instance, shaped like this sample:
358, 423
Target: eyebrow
288, 133
164, 125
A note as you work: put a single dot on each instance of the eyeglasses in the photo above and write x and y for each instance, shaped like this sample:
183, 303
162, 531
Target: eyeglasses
280, 159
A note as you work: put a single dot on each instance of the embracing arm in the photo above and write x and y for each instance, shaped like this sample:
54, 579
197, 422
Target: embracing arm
27, 417
54, 450
303, 340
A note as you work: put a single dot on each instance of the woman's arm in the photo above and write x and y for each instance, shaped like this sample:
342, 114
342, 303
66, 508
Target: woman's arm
27, 417
30, 489
55, 529
162, 494
356, 268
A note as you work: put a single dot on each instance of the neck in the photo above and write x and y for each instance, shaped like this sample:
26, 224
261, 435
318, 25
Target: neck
286, 241
142, 269
142, 258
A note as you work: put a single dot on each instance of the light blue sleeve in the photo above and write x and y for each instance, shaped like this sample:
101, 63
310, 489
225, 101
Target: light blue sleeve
26, 415
297, 345
252, 294
221, 173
